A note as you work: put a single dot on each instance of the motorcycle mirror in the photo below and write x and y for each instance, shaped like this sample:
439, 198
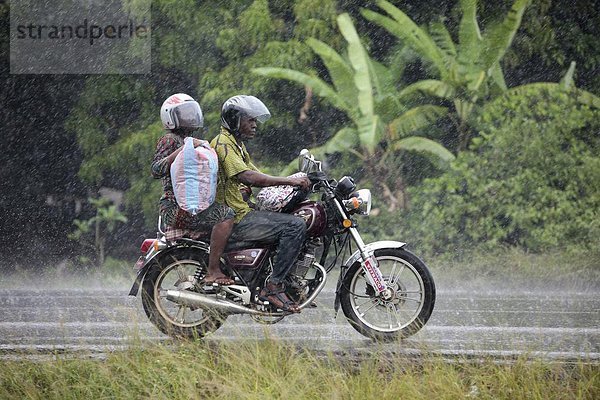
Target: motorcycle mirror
307, 162
304, 161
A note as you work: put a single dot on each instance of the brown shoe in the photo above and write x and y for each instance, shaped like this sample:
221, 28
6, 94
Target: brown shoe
275, 294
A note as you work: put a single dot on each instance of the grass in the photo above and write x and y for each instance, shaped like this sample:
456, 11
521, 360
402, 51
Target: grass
273, 370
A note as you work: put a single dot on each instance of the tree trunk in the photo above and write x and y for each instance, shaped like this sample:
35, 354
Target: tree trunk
308, 93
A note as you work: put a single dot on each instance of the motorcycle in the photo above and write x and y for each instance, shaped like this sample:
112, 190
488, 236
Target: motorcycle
385, 291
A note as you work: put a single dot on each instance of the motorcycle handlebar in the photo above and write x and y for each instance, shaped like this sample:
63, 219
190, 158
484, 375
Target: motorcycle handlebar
317, 176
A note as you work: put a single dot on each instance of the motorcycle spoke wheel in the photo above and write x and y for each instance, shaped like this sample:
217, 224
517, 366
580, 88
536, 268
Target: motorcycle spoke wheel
180, 276
402, 310
178, 270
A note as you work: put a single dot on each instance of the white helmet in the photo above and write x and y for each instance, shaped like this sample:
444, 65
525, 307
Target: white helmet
181, 111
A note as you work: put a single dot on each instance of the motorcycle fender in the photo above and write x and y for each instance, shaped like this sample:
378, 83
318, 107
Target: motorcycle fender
356, 256
138, 279
142, 271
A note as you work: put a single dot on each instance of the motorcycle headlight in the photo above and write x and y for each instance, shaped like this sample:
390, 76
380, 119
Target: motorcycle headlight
359, 202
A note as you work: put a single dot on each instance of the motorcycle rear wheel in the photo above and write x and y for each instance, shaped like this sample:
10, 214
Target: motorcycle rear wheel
176, 270
408, 306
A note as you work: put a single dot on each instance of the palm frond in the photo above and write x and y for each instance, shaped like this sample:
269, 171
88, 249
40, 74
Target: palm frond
417, 143
431, 87
401, 26
414, 119
339, 69
499, 38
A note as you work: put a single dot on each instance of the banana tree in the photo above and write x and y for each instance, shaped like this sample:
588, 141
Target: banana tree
469, 71
362, 88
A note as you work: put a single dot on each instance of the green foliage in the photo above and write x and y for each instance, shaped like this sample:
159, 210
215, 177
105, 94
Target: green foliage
363, 88
469, 71
195, 45
93, 232
109, 110
532, 179
552, 35
208, 49
265, 33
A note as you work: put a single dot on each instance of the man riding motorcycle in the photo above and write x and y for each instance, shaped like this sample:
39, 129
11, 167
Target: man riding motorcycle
239, 117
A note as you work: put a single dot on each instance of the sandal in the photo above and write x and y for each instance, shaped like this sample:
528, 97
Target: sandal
221, 281
276, 296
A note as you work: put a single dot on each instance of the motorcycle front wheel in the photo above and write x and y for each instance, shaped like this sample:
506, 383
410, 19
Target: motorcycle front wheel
177, 270
403, 310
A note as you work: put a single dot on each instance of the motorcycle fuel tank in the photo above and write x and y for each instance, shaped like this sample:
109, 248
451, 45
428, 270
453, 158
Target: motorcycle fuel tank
314, 215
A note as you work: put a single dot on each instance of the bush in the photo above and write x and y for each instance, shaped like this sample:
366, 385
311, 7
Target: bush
531, 179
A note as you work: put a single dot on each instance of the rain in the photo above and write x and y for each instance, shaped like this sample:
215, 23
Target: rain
476, 130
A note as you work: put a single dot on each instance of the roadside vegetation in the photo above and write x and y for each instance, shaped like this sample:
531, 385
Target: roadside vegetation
273, 370
474, 123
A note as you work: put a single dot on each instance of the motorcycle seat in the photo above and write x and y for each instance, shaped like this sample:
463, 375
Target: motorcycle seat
172, 234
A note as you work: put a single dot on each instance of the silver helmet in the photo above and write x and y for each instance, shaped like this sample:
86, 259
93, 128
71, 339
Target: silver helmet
239, 106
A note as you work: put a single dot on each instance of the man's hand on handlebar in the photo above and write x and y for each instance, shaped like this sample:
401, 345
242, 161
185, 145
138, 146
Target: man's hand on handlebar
303, 182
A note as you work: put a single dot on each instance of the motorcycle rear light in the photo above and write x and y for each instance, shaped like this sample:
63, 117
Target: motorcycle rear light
146, 244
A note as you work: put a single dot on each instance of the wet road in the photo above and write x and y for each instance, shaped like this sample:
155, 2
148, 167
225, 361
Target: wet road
556, 325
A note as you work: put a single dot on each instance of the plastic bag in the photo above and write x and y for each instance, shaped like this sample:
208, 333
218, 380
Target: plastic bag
194, 176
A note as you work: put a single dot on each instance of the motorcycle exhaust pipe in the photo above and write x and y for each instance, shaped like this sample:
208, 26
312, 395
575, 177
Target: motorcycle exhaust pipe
197, 300
192, 299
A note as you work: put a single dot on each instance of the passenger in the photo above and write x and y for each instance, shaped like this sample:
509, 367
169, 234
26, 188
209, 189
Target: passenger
181, 116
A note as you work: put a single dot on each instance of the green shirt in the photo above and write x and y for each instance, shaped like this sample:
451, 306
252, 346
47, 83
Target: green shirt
233, 159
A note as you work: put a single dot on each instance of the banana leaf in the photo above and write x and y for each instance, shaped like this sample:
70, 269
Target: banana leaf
567, 81
414, 119
405, 29
443, 40
469, 35
339, 69
499, 38
431, 87
360, 63
417, 143
319, 87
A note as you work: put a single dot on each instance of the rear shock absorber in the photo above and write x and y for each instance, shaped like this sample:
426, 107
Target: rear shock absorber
199, 275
